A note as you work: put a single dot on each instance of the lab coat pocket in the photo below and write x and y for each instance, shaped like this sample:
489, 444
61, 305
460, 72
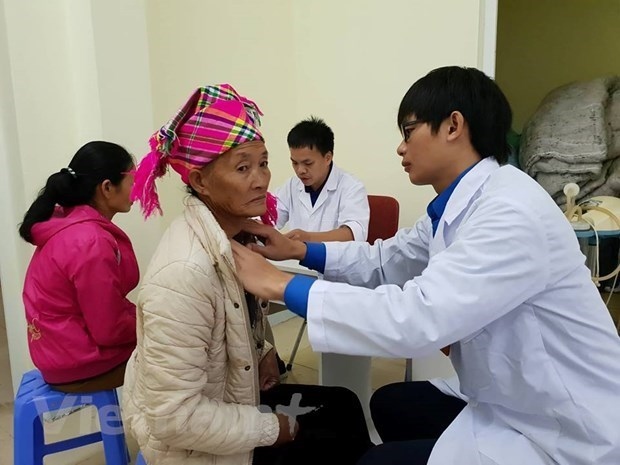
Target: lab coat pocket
470, 359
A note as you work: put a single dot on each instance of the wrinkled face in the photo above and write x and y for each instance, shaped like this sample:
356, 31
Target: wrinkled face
236, 182
422, 152
310, 166
118, 197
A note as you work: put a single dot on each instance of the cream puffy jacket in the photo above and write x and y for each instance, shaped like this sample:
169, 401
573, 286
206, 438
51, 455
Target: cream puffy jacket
191, 387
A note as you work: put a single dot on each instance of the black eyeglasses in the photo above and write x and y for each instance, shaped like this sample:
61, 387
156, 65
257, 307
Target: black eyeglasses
407, 128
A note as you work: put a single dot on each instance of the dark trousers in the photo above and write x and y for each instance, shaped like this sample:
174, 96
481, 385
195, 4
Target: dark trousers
409, 417
334, 432
109, 380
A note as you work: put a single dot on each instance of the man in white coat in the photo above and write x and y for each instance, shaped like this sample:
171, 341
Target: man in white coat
493, 270
322, 202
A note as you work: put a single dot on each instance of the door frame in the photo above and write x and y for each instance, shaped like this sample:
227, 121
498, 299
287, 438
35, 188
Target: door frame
487, 36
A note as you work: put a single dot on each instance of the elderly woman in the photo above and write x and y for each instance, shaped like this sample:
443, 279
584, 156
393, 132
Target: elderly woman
202, 386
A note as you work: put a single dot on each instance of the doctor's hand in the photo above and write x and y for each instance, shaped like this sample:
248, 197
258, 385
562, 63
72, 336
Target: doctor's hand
258, 276
277, 246
298, 235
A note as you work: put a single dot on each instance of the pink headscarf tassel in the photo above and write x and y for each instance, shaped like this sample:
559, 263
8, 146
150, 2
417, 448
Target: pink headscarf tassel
270, 217
152, 166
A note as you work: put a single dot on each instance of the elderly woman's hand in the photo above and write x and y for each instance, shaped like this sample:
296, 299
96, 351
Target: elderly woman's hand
289, 427
259, 276
276, 245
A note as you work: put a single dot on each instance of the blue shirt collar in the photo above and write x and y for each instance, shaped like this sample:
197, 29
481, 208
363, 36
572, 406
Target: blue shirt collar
314, 194
438, 205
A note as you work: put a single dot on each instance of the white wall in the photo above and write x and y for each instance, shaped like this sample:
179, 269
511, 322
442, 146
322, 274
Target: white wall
355, 72
72, 71
246, 43
76, 70
347, 61
124, 85
13, 251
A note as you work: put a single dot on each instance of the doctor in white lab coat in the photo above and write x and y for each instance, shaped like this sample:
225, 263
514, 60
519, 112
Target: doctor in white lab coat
322, 202
494, 271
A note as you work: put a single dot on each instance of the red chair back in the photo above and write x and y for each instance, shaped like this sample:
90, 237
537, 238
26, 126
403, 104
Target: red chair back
384, 211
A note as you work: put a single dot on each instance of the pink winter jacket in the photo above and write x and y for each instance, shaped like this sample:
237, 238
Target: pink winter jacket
80, 323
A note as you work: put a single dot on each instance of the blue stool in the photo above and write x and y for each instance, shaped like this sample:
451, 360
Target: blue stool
139, 459
35, 397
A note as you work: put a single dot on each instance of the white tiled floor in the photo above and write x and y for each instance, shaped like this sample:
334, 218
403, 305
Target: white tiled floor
306, 365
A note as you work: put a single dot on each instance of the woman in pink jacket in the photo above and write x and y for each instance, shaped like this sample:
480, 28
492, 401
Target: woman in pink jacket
81, 326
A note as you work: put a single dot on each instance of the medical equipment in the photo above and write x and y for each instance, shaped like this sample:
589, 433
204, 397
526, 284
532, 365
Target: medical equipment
598, 215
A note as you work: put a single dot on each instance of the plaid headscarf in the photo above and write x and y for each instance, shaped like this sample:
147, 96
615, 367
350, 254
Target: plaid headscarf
214, 120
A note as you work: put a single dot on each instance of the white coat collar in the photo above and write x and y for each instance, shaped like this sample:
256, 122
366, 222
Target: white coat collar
333, 179
331, 185
467, 188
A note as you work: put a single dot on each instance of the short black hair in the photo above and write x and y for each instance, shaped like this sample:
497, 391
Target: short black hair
311, 133
471, 92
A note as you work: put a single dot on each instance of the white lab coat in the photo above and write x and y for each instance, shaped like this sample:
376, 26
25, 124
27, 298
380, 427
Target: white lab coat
504, 282
343, 201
